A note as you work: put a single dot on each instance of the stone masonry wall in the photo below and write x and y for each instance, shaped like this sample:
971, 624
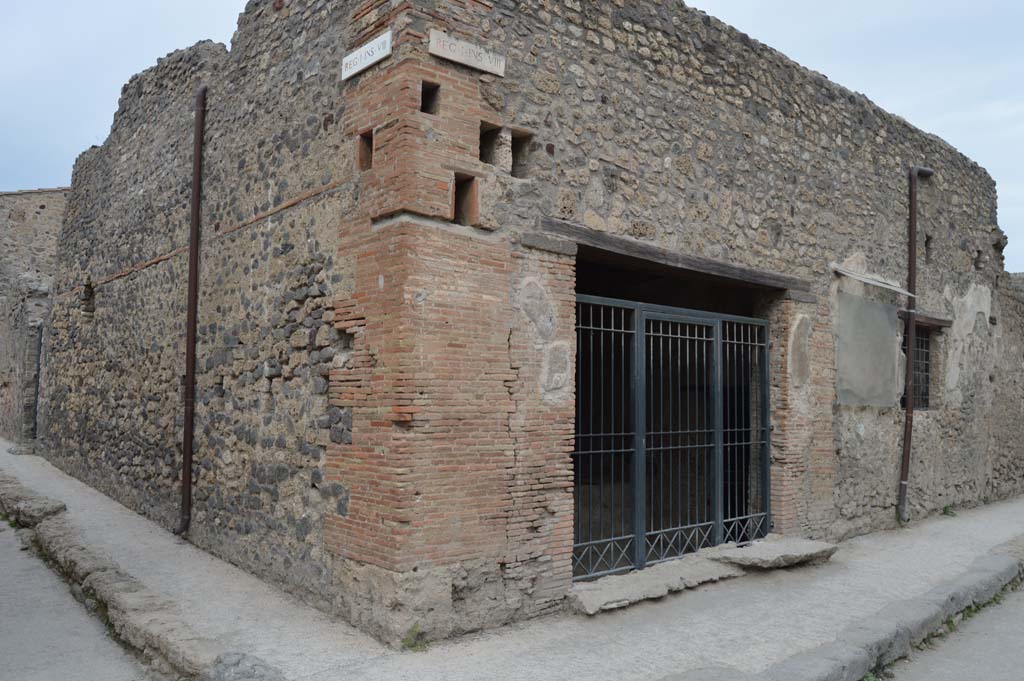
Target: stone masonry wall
339, 451
660, 125
29, 223
278, 179
386, 335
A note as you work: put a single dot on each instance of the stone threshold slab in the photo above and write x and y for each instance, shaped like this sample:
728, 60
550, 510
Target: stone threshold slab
726, 561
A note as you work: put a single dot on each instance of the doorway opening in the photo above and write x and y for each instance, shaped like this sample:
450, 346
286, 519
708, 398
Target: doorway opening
672, 438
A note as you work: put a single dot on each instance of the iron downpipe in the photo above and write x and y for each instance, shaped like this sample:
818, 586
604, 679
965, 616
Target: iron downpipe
914, 174
189, 387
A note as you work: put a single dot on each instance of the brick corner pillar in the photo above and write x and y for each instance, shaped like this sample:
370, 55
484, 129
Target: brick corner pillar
461, 387
457, 506
802, 396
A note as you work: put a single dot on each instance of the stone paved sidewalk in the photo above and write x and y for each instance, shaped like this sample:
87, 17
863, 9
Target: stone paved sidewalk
745, 625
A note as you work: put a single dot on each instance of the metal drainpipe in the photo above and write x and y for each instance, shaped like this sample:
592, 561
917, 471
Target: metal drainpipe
39, 377
191, 315
911, 335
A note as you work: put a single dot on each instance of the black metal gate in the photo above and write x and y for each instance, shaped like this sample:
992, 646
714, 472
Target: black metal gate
695, 473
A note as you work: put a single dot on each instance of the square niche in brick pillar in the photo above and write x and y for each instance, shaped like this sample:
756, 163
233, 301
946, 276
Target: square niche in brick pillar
430, 98
466, 200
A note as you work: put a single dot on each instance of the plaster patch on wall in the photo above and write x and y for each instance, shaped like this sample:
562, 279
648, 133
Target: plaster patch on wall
866, 352
557, 373
970, 312
799, 349
534, 301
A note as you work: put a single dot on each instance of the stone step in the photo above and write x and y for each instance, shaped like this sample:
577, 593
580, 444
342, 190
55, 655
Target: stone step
773, 552
706, 566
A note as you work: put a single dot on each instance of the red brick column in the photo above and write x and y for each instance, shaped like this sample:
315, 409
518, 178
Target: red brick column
804, 464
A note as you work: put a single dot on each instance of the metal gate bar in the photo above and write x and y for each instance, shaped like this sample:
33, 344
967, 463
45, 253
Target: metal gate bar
672, 436
745, 430
603, 460
679, 450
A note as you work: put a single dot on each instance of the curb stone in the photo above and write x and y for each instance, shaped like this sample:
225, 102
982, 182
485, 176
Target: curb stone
23, 506
148, 623
23, 448
894, 631
240, 667
139, 617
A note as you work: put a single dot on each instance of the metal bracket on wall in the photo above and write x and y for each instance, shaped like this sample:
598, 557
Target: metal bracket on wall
868, 279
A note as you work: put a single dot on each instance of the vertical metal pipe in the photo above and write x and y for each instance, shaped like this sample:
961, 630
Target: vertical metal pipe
911, 336
39, 377
192, 314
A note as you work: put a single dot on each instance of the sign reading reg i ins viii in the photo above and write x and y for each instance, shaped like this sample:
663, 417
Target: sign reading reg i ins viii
365, 56
444, 46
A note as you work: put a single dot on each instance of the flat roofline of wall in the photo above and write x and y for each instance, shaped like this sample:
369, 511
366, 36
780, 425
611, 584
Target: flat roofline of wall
35, 191
584, 236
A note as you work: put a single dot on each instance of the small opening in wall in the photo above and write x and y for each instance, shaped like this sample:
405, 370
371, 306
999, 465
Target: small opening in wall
364, 154
977, 260
466, 209
521, 143
489, 136
430, 97
928, 248
87, 296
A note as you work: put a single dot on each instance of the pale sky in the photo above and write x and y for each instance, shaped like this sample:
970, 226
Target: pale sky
951, 68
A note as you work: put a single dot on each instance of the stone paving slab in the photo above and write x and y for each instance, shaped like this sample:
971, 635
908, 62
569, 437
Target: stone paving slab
819, 622
656, 581
774, 552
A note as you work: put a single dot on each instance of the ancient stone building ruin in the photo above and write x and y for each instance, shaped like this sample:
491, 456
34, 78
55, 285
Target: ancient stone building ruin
494, 296
29, 223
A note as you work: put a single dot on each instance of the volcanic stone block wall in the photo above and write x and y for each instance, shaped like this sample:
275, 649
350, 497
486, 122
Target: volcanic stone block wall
29, 224
1004, 475
666, 127
385, 381
278, 179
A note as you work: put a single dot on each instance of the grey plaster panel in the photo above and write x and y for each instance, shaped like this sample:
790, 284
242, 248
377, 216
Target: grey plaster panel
867, 353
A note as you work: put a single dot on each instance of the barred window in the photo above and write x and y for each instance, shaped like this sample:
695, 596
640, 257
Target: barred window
922, 367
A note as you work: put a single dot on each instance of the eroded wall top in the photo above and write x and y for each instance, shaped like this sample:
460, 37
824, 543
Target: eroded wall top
29, 224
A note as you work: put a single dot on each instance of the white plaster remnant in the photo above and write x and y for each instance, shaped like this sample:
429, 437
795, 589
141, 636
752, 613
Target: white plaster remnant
535, 302
974, 306
799, 351
557, 373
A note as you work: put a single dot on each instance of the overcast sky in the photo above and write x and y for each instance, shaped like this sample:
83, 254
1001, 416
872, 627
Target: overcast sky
952, 68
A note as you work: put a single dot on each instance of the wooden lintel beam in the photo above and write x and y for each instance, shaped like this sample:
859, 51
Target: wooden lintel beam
584, 236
